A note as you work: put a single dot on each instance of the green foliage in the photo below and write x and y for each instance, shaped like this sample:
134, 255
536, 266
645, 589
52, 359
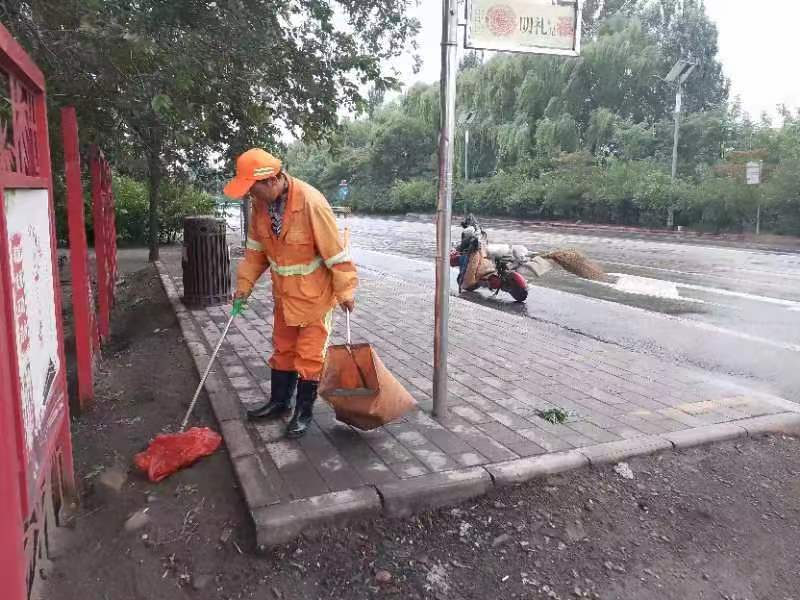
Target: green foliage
782, 198
178, 201
167, 87
132, 206
416, 195
724, 204
131, 202
401, 148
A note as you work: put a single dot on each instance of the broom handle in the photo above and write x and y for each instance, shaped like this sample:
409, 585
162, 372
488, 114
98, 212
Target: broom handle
347, 312
205, 375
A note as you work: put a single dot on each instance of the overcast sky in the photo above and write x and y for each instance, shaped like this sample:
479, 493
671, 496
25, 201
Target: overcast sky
758, 49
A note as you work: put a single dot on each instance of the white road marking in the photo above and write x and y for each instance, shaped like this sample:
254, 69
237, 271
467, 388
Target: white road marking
661, 288
697, 274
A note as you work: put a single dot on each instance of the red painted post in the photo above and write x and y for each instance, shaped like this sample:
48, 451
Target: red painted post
103, 310
105, 239
82, 308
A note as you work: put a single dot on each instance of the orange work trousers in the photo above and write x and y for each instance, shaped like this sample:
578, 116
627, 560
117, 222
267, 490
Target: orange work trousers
300, 349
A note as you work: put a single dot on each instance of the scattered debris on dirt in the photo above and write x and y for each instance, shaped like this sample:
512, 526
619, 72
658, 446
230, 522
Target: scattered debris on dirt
624, 471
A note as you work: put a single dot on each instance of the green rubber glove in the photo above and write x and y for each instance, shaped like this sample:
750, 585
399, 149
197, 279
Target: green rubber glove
238, 307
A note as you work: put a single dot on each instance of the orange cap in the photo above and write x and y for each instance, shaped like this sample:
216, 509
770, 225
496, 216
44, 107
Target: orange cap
254, 165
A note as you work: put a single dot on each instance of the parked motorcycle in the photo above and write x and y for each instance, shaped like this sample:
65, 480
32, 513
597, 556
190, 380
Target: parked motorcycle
507, 260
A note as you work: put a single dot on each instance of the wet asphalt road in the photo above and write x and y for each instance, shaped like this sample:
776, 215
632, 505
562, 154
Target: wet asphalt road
732, 311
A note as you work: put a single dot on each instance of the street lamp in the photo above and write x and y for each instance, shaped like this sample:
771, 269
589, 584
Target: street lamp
465, 122
678, 75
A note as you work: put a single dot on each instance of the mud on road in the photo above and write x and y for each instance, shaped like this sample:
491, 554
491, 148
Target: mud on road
715, 522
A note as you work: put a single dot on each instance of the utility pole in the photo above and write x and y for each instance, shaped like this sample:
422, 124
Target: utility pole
445, 204
466, 153
677, 75
465, 122
678, 101
245, 208
753, 177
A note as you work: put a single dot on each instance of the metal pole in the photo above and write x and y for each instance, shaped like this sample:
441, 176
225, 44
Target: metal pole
758, 196
671, 212
245, 208
445, 203
758, 219
466, 154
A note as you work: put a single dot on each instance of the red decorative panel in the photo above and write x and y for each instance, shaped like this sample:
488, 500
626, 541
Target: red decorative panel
18, 128
36, 475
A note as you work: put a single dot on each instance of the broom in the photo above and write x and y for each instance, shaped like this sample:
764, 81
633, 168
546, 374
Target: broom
170, 452
575, 262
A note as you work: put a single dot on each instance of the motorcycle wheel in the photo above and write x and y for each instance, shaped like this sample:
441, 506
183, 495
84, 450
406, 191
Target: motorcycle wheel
517, 287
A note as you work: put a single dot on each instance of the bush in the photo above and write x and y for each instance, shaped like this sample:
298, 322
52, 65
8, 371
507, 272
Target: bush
498, 195
177, 201
724, 204
782, 199
416, 195
131, 203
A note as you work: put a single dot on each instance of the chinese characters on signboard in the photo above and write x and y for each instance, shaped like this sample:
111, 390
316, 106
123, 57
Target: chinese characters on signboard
35, 327
536, 26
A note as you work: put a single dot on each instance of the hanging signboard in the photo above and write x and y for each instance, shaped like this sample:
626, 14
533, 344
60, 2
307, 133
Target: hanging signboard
754, 173
532, 26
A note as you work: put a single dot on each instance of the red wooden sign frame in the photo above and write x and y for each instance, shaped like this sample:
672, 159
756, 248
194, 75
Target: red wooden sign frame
35, 445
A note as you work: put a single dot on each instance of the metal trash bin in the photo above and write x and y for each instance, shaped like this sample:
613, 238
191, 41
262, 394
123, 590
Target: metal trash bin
206, 262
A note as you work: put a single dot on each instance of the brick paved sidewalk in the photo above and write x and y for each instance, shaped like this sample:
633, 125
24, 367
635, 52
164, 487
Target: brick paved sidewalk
503, 370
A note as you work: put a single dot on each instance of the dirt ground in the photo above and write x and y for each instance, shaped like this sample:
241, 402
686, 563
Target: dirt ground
716, 522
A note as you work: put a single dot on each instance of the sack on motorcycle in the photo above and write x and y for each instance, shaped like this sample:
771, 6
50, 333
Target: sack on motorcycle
361, 390
478, 267
535, 268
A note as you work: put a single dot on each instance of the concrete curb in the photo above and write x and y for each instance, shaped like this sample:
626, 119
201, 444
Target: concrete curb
614, 452
282, 523
522, 470
279, 522
786, 423
705, 435
405, 497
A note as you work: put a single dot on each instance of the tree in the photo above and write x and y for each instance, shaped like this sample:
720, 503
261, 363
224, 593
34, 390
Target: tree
683, 30
403, 148
181, 82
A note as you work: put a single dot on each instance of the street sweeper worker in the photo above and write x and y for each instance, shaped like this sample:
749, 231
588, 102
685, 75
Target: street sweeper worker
292, 233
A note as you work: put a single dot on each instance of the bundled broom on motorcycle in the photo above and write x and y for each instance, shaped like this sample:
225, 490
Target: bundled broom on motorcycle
507, 268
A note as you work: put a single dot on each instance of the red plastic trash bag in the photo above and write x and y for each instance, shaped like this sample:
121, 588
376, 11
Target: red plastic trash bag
171, 452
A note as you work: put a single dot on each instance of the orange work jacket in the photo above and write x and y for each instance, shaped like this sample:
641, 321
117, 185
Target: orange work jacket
311, 268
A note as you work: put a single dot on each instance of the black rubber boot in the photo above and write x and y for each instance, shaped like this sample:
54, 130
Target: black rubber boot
283, 385
304, 409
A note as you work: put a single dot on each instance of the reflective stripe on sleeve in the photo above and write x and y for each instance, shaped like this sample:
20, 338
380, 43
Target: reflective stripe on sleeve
342, 257
254, 245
